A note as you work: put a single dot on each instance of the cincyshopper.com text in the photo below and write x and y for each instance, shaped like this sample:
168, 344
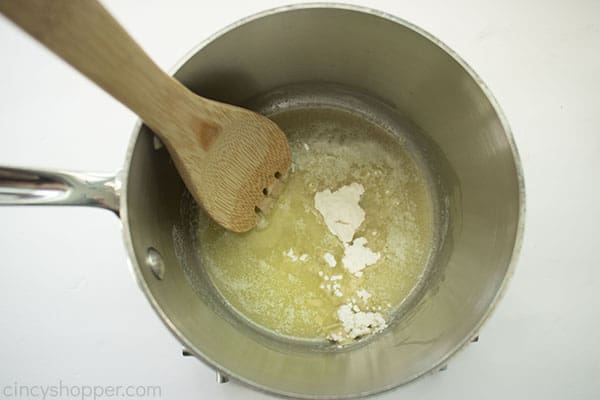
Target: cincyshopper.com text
19, 391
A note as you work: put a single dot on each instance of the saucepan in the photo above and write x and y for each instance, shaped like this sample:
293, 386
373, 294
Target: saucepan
382, 69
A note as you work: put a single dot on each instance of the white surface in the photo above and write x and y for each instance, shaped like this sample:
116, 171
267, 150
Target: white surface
70, 310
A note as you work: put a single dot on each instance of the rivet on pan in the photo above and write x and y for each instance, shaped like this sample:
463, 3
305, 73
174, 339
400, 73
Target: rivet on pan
155, 263
222, 378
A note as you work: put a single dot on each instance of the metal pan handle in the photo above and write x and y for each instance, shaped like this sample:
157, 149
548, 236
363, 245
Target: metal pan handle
24, 186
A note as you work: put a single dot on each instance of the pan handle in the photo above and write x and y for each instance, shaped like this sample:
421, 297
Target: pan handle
24, 186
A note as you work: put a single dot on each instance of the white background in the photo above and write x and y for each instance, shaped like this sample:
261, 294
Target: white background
70, 311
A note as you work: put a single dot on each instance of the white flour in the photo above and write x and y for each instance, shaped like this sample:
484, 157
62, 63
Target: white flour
357, 323
341, 211
343, 215
330, 259
357, 256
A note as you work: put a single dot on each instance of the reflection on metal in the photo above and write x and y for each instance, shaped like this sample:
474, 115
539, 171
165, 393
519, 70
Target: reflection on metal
22, 186
222, 378
155, 262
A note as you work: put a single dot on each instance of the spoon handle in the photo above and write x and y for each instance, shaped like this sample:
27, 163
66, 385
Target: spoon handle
85, 35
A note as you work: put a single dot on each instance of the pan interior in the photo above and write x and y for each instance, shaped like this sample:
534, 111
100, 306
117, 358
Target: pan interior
302, 111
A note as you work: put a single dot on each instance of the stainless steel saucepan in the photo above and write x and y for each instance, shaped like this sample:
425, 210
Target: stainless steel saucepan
378, 67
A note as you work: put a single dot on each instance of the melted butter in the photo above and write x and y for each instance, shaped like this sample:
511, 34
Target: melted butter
254, 272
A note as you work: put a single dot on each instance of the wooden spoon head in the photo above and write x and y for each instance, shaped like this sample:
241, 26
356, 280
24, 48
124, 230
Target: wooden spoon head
245, 157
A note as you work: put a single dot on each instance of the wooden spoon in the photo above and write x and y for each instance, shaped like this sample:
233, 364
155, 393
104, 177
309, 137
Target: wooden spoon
231, 159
